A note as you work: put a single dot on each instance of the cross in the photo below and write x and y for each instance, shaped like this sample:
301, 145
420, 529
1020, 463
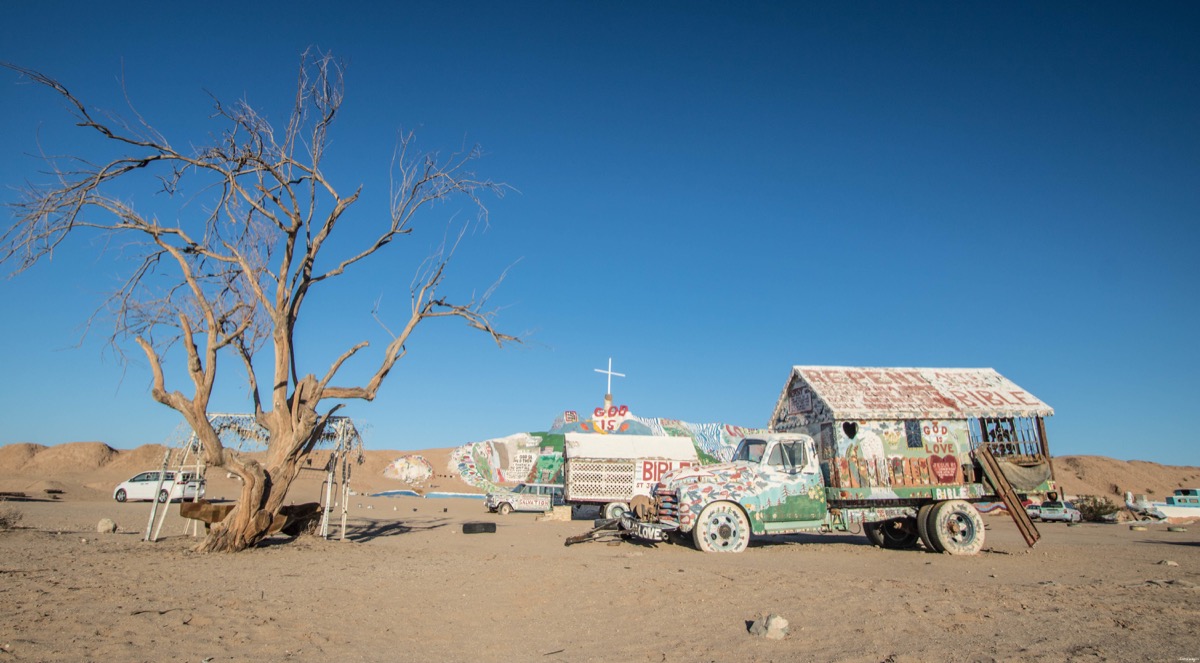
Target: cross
610, 375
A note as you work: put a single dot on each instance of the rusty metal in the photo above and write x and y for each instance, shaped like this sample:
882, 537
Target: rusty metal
995, 476
603, 528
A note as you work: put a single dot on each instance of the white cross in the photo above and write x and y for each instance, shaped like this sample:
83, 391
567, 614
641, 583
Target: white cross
610, 375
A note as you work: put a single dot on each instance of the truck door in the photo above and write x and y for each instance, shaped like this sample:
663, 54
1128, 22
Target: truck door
797, 492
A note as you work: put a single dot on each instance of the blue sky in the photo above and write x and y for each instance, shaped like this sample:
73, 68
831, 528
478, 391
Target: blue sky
707, 193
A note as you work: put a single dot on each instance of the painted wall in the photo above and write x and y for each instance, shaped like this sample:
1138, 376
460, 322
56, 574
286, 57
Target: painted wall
538, 457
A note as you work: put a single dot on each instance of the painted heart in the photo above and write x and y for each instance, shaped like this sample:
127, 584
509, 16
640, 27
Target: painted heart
945, 468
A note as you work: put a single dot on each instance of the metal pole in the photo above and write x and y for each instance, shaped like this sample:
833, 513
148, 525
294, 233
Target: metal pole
162, 473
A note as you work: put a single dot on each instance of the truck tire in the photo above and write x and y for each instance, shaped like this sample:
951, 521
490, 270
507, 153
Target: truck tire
873, 534
956, 528
923, 527
504, 509
613, 510
894, 534
721, 527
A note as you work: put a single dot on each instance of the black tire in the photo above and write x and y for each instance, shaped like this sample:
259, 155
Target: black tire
923, 527
479, 528
721, 527
504, 509
121, 496
163, 497
896, 534
956, 527
871, 531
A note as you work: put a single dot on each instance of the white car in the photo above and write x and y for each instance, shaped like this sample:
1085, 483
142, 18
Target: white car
175, 486
1060, 510
526, 497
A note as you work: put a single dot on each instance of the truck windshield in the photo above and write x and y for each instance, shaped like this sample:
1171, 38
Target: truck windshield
750, 450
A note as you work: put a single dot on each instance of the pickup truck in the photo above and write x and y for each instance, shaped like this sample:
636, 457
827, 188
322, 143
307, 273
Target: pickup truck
774, 484
611, 471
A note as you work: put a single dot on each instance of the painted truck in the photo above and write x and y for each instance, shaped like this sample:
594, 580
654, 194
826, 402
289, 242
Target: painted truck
900, 453
609, 471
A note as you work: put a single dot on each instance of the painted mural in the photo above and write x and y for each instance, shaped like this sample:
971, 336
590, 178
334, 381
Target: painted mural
529, 457
871, 454
769, 495
538, 457
413, 470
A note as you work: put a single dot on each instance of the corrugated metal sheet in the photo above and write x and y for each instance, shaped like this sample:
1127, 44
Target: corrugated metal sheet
860, 393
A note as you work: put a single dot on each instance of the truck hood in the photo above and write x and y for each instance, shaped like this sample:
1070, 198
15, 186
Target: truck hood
719, 473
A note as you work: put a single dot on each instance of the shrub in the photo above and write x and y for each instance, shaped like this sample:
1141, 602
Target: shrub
9, 517
1095, 508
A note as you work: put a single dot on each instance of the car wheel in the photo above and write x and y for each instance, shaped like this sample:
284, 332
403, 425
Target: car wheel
956, 527
505, 509
163, 496
121, 496
614, 509
721, 527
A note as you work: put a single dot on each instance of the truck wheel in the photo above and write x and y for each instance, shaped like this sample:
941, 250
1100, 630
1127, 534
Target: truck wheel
614, 509
505, 509
721, 527
894, 534
872, 531
923, 527
956, 528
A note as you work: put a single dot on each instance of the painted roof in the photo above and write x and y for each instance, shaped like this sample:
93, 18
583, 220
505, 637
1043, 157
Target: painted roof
593, 445
859, 393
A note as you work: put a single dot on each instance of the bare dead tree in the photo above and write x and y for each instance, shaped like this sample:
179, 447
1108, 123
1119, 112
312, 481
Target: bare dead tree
240, 271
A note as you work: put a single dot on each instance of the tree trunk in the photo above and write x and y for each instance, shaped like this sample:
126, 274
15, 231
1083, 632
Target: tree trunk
263, 493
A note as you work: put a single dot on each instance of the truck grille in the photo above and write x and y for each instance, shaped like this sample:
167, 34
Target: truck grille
667, 503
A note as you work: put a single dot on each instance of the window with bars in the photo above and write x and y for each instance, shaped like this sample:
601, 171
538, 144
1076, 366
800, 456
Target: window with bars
1007, 436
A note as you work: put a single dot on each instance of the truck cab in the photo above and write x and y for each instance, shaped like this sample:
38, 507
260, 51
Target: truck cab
772, 484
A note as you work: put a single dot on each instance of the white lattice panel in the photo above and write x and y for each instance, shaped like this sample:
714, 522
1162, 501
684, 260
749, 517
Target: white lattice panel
599, 479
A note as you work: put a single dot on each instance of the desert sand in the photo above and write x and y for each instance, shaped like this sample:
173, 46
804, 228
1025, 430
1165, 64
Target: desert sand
407, 584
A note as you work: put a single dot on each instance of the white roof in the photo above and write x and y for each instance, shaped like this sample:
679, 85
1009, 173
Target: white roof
595, 445
861, 393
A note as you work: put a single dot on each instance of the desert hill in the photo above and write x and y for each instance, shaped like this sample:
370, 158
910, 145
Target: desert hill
90, 470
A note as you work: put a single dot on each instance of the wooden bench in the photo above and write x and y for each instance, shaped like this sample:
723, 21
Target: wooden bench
292, 520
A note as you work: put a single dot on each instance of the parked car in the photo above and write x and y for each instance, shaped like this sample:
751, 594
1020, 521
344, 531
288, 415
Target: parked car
175, 486
1033, 510
1062, 511
526, 497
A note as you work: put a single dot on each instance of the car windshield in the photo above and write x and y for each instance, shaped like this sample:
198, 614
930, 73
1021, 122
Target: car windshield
751, 450
1052, 505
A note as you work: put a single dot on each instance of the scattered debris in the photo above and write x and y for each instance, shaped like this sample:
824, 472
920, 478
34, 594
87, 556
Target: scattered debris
601, 528
772, 627
1167, 562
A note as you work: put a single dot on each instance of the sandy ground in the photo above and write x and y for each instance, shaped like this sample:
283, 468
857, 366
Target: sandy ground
408, 585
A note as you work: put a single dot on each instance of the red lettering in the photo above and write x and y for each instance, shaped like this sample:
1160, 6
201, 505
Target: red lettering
1021, 396
965, 398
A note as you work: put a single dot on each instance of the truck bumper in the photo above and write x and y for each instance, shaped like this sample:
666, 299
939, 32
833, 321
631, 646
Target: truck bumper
647, 531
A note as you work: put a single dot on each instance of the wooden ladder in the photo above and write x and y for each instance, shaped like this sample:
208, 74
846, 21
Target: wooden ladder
995, 476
